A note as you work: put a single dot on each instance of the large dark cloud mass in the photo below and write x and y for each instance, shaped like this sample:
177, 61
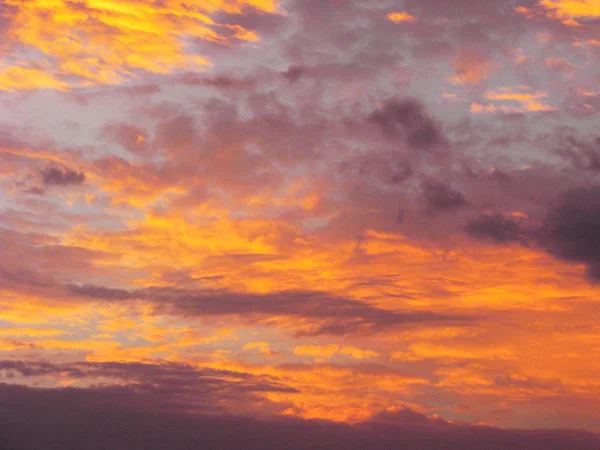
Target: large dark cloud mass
571, 228
74, 419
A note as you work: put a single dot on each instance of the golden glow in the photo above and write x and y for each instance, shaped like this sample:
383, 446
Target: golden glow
572, 9
398, 17
529, 101
109, 41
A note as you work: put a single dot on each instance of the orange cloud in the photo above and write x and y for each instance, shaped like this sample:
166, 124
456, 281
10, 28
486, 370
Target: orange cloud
423, 351
244, 34
529, 101
570, 13
479, 108
262, 346
31, 332
327, 351
471, 67
398, 17
358, 353
330, 392
317, 351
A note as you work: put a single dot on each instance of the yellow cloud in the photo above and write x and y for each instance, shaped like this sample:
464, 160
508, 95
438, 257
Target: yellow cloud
111, 41
529, 101
31, 332
570, 9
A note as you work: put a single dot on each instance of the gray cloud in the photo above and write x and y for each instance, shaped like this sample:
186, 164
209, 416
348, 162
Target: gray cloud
583, 155
330, 314
571, 228
442, 197
54, 176
494, 227
407, 119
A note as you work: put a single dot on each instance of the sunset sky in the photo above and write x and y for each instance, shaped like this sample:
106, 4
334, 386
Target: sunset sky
299, 224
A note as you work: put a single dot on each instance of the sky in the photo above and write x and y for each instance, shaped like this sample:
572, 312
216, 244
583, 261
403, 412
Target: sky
299, 224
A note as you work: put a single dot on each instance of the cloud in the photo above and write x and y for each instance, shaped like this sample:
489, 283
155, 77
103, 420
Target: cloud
111, 42
572, 9
407, 120
493, 227
471, 67
530, 102
570, 228
262, 192
583, 155
294, 73
390, 168
217, 81
130, 137
54, 176
402, 16
317, 351
97, 418
442, 197
329, 314
321, 352
172, 386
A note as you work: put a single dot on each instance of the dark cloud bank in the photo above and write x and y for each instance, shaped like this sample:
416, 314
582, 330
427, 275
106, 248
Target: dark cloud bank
65, 419
571, 229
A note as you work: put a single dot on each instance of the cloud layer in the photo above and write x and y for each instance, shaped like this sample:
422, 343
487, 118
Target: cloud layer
351, 222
